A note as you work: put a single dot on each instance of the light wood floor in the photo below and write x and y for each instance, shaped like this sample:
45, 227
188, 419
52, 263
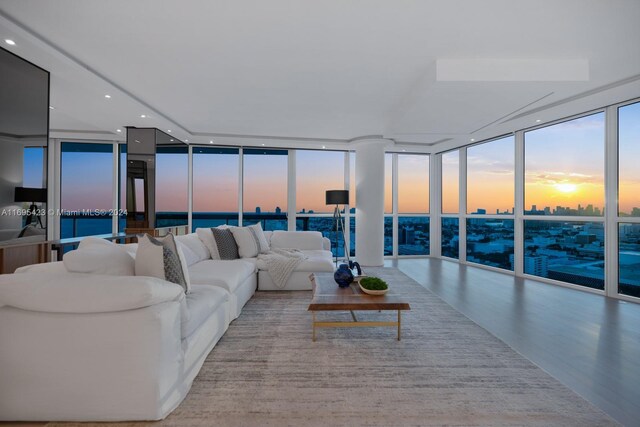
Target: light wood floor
588, 342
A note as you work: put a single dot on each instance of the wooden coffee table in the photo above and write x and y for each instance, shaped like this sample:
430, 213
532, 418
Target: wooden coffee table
328, 296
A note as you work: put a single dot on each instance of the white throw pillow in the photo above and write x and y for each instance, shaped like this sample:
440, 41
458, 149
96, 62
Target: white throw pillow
248, 246
95, 257
263, 243
190, 257
161, 257
193, 242
206, 237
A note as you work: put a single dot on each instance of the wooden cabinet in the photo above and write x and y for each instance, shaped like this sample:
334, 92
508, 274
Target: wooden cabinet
19, 255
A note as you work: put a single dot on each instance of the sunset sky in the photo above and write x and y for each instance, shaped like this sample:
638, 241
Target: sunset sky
490, 176
451, 182
564, 164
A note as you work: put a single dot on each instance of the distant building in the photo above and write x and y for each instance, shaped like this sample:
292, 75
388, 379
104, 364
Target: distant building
407, 236
585, 239
278, 210
536, 265
258, 210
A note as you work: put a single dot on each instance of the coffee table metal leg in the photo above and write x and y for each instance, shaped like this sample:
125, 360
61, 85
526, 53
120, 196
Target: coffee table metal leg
313, 326
399, 318
353, 316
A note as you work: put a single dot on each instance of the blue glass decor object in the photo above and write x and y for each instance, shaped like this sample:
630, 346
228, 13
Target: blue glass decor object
354, 264
343, 276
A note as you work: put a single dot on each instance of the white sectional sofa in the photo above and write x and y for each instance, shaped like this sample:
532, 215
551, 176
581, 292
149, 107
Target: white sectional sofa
97, 347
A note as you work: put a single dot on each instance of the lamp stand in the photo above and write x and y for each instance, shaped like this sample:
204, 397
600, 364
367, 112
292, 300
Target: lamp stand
339, 228
33, 218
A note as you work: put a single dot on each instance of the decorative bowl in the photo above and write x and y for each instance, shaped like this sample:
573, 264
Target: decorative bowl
372, 292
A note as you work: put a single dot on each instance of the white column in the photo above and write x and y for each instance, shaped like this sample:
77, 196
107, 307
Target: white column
370, 195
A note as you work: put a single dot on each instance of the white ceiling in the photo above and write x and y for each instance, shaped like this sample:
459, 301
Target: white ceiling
325, 71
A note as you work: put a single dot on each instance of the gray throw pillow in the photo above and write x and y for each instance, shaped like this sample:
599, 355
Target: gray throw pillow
161, 257
227, 246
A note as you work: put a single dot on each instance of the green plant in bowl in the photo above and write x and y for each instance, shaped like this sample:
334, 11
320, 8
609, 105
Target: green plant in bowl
373, 284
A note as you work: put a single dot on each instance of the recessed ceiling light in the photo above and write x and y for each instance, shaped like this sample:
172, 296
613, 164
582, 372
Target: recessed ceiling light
186, 140
472, 139
51, 107
404, 151
263, 145
10, 42
324, 146
107, 96
169, 130
171, 140
210, 142
118, 130
538, 121
143, 116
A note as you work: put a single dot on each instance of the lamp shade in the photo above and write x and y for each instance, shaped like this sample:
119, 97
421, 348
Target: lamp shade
337, 197
26, 194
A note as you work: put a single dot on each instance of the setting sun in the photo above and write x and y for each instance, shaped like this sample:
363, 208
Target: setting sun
566, 188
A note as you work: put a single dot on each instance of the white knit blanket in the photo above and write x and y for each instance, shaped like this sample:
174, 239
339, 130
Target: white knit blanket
281, 263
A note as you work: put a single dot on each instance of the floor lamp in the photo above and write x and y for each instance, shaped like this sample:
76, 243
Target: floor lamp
33, 196
337, 198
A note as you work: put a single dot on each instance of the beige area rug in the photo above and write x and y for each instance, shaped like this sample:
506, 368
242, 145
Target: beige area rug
447, 370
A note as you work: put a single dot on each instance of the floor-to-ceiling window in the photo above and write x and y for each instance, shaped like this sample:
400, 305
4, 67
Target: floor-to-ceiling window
264, 191
413, 204
563, 180
215, 186
86, 195
122, 190
388, 204
312, 213
450, 209
490, 203
629, 200
172, 185
352, 209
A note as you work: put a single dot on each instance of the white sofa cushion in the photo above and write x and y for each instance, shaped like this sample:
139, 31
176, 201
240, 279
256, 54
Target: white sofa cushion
247, 241
229, 274
99, 256
56, 267
193, 242
84, 293
303, 240
202, 301
162, 258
